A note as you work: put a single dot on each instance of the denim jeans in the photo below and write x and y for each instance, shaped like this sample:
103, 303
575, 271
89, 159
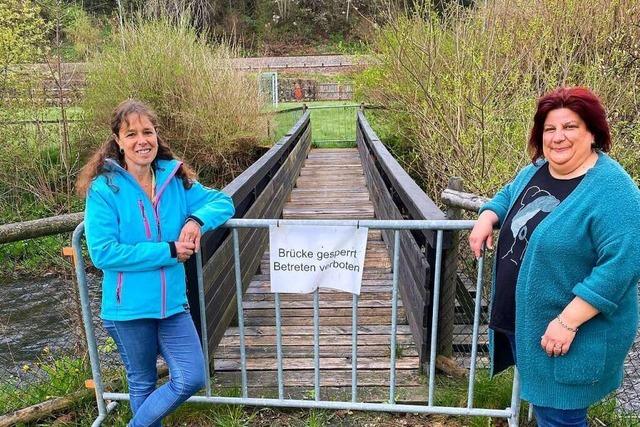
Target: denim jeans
552, 417
139, 343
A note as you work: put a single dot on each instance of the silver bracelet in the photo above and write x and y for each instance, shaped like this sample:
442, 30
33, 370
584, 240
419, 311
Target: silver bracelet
564, 325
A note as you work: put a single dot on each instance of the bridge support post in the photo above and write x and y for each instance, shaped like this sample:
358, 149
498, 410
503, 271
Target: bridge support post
449, 281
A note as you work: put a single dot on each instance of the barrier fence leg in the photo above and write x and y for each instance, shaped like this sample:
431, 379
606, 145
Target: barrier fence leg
92, 346
354, 348
434, 317
394, 317
515, 400
203, 324
476, 324
316, 344
239, 291
279, 346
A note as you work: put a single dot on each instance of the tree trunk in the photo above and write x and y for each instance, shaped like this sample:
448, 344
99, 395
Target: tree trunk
39, 227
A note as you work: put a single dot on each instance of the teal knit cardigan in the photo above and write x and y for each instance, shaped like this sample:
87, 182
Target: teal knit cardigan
589, 246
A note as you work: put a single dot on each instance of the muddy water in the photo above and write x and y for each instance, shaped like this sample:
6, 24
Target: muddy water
35, 315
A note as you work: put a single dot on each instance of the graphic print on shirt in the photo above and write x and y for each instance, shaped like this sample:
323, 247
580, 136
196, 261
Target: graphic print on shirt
533, 201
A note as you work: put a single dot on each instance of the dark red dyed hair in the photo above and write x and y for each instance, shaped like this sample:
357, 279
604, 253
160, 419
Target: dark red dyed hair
581, 101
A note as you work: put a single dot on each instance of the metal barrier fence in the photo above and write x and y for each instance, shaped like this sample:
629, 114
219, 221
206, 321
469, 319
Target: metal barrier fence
282, 121
333, 125
510, 413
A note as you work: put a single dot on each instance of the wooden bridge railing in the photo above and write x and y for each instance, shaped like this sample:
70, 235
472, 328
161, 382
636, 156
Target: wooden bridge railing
259, 192
396, 196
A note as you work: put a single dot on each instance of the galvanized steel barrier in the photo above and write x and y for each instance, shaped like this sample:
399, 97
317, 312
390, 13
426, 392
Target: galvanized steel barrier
511, 413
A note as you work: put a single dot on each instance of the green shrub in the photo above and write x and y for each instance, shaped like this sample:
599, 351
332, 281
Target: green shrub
23, 36
37, 167
32, 257
82, 30
209, 113
22, 32
461, 87
37, 160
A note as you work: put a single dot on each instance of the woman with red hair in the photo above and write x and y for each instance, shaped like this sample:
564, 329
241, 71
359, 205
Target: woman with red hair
564, 297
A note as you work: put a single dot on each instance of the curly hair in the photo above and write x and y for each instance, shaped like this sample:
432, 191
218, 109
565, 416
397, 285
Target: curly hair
110, 149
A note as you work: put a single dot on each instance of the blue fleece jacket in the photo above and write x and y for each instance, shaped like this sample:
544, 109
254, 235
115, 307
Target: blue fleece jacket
589, 246
128, 238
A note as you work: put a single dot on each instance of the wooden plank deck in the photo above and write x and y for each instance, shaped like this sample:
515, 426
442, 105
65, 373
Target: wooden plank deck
331, 185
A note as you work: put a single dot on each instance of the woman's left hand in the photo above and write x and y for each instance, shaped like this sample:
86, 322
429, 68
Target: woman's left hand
191, 233
556, 339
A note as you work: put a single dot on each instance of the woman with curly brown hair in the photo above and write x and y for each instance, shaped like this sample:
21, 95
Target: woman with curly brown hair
145, 214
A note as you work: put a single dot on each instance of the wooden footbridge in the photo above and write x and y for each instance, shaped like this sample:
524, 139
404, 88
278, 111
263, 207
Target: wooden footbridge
295, 181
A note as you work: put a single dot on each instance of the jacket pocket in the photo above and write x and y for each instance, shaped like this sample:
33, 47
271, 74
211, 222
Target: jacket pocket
584, 363
119, 281
145, 220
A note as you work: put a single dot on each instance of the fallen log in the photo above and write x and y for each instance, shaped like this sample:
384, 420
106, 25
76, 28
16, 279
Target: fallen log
43, 409
450, 367
39, 227
460, 199
49, 407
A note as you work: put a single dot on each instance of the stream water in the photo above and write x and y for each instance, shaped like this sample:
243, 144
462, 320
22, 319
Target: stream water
36, 319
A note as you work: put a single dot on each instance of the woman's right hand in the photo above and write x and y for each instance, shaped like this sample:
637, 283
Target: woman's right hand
184, 250
482, 232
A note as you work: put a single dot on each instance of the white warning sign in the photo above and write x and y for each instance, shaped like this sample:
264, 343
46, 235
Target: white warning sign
304, 258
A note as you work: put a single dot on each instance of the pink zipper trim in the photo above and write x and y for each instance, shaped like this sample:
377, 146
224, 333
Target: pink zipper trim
147, 227
156, 202
163, 280
165, 183
119, 287
156, 211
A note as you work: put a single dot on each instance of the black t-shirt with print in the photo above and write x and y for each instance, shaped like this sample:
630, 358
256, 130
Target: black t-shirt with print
539, 198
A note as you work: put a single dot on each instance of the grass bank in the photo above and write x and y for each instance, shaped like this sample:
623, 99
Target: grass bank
449, 392
333, 123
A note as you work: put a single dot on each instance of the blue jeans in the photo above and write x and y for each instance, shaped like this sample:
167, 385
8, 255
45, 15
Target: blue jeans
139, 343
552, 417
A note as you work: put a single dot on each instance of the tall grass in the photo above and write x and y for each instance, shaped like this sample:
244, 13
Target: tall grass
36, 169
461, 86
210, 113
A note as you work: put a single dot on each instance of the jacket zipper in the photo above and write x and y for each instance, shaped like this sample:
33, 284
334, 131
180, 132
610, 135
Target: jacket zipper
156, 211
163, 277
147, 227
119, 288
163, 280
